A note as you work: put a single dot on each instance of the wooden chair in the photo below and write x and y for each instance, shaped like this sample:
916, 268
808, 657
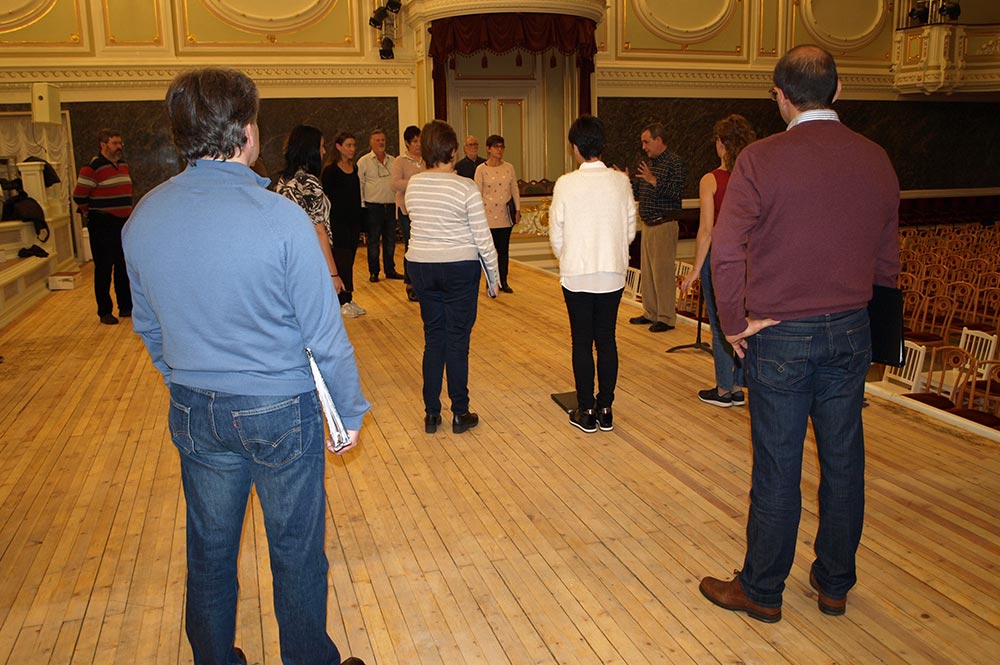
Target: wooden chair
930, 326
987, 315
980, 345
948, 377
908, 376
975, 400
936, 271
965, 275
979, 264
913, 300
989, 280
633, 285
965, 296
687, 303
907, 281
932, 286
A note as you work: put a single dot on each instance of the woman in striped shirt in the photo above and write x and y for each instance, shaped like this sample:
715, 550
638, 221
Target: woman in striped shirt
448, 238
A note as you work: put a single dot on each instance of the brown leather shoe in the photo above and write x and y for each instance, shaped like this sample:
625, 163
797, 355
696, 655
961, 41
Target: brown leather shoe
827, 605
730, 596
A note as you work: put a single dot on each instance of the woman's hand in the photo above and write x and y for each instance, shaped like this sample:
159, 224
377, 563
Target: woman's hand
689, 281
338, 284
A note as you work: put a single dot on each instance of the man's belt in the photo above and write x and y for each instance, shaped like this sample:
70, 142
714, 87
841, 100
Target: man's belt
372, 204
658, 221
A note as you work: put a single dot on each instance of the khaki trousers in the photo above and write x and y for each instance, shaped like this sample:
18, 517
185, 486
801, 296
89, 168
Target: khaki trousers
659, 288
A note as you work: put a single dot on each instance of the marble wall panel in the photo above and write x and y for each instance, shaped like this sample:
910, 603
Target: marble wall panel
933, 145
151, 154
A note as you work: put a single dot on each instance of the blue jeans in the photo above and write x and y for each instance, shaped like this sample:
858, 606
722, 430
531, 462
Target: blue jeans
449, 298
812, 367
380, 225
227, 444
728, 368
592, 320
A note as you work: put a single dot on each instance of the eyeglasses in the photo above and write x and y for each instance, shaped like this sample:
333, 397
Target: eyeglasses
774, 94
471, 145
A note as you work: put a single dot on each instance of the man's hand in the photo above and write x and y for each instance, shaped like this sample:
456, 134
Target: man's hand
754, 326
354, 434
646, 174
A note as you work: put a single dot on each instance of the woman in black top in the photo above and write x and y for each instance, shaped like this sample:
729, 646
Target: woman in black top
341, 185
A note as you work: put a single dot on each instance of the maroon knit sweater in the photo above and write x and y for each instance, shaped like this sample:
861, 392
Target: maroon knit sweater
808, 224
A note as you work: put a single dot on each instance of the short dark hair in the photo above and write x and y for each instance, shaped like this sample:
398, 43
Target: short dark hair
377, 130
438, 143
656, 130
302, 151
587, 134
209, 110
410, 133
106, 134
808, 76
736, 133
494, 139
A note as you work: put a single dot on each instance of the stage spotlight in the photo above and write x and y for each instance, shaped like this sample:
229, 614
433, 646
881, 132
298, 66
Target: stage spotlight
951, 10
378, 16
920, 13
394, 5
386, 53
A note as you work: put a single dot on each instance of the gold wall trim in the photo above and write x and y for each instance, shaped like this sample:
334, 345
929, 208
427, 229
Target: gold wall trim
825, 38
692, 34
267, 16
374, 76
23, 13
756, 82
155, 40
429, 10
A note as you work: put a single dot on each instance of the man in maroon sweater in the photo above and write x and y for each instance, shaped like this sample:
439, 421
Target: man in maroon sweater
103, 193
808, 225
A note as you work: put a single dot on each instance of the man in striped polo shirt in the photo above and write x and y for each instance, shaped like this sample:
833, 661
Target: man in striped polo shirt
103, 195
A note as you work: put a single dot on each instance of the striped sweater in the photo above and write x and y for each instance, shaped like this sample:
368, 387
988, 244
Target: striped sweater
447, 221
104, 187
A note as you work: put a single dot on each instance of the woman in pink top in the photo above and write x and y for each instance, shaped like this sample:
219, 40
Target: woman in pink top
732, 134
498, 184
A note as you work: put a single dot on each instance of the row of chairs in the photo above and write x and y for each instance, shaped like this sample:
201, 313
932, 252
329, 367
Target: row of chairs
954, 379
935, 318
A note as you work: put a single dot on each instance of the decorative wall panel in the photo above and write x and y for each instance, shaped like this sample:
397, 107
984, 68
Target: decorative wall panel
51, 27
133, 22
929, 147
660, 29
853, 30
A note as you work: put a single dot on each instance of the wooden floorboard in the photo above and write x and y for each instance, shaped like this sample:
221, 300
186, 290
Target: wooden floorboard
521, 541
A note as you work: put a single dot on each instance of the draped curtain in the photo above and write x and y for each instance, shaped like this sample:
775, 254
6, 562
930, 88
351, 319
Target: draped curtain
501, 33
21, 138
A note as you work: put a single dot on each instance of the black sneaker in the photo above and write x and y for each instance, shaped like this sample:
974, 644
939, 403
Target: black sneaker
739, 398
605, 419
584, 419
713, 397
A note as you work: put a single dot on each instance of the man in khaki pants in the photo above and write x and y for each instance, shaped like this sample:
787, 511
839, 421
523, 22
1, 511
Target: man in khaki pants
657, 186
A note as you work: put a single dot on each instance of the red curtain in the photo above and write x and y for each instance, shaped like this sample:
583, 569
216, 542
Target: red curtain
501, 33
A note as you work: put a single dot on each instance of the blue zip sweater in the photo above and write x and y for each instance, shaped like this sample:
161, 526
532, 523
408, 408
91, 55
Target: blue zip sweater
229, 286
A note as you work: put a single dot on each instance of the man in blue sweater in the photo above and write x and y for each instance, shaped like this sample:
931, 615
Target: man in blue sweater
229, 287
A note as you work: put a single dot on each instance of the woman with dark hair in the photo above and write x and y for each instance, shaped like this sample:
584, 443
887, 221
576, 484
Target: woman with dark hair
342, 187
498, 184
299, 181
731, 135
448, 239
403, 168
591, 224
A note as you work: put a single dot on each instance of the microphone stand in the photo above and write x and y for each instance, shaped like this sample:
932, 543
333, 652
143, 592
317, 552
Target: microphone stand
698, 344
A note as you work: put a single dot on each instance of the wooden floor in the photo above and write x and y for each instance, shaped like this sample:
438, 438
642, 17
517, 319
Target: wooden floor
522, 541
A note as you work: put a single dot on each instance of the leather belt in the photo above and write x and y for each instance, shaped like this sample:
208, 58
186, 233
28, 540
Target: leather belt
372, 204
657, 222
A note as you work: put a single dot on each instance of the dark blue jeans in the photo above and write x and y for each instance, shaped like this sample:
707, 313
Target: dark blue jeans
380, 225
807, 368
592, 320
449, 298
227, 444
728, 368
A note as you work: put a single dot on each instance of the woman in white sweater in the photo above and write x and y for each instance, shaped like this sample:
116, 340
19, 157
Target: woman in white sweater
591, 224
448, 237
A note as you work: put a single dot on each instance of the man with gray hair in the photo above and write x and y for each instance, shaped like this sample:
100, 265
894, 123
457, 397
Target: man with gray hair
808, 226
229, 290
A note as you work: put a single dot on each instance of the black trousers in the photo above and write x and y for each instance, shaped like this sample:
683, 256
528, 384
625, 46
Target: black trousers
109, 262
592, 321
344, 258
501, 240
380, 224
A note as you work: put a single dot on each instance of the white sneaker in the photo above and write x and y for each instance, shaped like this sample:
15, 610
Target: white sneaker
347, 311
358, 309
